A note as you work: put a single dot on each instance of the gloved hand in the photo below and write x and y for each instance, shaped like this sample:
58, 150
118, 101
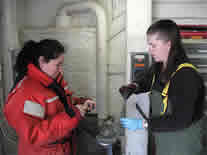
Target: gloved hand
127, 90
131, 123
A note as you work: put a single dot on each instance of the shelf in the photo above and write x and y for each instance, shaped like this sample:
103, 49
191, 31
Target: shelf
194, 41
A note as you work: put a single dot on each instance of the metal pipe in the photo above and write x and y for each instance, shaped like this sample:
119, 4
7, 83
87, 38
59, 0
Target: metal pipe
9, 41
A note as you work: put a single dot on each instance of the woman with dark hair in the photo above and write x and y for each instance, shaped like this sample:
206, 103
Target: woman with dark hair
176, 92
40, 107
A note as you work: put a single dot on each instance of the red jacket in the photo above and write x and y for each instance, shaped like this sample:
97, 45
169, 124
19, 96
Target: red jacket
38, 116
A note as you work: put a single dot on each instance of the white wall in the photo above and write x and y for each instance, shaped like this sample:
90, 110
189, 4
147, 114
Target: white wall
182, 11
20, 13
116, 10
42, 13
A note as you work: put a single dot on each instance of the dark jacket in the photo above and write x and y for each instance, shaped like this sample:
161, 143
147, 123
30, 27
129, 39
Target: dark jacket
186, 92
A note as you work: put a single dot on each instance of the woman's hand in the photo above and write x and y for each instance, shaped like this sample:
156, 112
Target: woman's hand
90, 104
87, 106
127, 90
82, 108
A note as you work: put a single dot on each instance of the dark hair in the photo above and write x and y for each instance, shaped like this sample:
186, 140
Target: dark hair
168, 30
31, 51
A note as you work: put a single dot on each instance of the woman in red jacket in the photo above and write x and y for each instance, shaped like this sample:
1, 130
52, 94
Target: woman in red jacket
40, 107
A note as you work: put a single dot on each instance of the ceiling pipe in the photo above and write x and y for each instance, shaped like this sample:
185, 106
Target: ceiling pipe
62, 21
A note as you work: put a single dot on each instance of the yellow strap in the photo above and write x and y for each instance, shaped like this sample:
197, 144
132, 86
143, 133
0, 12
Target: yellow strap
186, 65
153, 81
165, 90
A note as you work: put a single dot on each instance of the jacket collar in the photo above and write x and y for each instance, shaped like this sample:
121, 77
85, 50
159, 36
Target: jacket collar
38, 75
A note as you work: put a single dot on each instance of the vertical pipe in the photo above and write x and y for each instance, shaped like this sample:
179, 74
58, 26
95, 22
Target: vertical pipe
9, 41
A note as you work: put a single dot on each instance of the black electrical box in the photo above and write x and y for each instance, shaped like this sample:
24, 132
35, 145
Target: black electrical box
139, 62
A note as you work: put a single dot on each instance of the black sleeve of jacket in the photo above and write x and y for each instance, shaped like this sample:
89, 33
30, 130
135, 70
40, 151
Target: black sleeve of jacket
183, 94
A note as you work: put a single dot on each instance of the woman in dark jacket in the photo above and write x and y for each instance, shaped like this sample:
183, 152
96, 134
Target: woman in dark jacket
176, 94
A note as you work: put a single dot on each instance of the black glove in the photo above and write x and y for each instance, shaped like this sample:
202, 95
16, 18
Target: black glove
128, 90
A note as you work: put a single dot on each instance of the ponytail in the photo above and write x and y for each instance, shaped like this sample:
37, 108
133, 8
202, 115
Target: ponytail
25, 57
